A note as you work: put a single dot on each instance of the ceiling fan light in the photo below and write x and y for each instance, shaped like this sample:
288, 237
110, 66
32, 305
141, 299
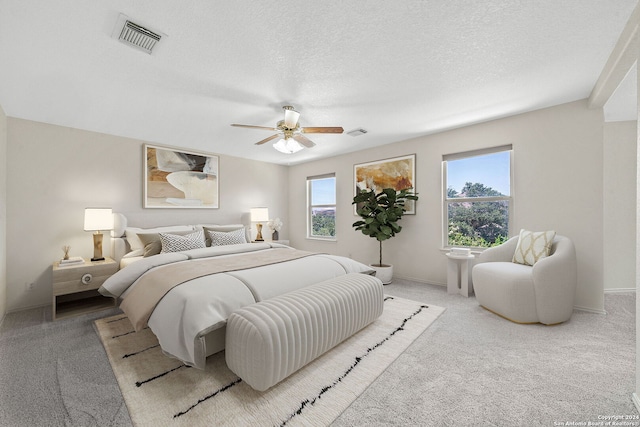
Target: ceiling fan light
291, 118
287, 146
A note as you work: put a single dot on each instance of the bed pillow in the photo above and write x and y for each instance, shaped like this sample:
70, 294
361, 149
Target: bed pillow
221, 238
131, 233
533, 246
225, 229
153, 244
176, 243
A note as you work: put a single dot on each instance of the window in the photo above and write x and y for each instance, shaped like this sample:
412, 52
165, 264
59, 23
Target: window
477, 197
321, 192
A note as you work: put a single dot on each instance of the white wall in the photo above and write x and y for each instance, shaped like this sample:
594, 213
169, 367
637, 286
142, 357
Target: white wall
54, 172
3, 214
558, 180
619, 205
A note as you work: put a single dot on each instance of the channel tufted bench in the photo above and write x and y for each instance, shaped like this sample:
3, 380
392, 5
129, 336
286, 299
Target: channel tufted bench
269, 340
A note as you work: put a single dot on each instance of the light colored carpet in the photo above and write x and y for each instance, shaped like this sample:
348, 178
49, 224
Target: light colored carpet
470, 368
160, 391
473, 368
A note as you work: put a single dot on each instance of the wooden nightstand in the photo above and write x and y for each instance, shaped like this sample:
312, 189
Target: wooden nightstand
75, 288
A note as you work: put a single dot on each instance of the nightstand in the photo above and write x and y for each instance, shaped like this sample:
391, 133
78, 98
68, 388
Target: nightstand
75, 287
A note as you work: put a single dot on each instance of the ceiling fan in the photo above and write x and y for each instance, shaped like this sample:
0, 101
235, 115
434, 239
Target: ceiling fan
290, 132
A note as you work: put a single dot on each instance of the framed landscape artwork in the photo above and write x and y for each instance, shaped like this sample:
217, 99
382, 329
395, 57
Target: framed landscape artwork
174, 178
397, 173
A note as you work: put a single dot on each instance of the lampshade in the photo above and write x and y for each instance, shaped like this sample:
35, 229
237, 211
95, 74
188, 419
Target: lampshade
291, 118
288, 146
259, 214
96, 219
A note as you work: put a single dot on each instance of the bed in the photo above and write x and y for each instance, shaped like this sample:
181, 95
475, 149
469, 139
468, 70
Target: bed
184, 281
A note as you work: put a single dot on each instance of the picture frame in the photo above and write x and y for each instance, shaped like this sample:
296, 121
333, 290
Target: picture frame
397, 172
176, 178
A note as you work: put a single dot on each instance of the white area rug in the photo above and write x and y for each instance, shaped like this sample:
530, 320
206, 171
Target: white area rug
162, 391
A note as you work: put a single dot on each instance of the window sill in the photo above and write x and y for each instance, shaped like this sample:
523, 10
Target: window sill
323, 239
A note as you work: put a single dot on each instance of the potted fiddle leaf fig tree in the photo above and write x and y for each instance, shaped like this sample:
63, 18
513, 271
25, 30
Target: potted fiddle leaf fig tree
380, 213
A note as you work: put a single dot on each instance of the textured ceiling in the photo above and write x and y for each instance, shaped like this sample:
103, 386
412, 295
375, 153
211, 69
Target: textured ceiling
397, 69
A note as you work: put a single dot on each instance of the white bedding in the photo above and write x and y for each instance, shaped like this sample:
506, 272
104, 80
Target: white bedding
199, 307
125, 261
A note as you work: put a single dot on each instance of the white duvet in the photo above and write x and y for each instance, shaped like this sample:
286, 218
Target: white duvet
200, 307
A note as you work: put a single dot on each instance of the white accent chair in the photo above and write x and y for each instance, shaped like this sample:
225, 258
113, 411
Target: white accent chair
544, 292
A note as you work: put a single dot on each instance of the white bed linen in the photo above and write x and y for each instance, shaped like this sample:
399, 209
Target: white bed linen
125, 261
198, 307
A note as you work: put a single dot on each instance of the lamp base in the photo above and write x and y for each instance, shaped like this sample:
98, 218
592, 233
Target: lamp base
259, 235
97, 247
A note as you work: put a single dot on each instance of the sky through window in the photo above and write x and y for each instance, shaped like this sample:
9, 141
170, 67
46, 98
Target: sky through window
492, 170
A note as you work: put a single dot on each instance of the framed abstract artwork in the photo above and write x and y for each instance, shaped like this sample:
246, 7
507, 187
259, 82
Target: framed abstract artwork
175, 178
397, 173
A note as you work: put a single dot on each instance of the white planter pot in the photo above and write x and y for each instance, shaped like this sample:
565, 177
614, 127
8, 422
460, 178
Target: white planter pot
384, 273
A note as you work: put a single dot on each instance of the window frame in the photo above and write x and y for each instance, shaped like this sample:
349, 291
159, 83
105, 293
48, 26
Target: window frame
446, 200
311, 206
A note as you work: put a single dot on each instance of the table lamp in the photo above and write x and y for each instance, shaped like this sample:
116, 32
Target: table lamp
98, 220
259, 215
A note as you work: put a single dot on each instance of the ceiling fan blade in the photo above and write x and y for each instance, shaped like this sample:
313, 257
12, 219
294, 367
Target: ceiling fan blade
254, 127
322, 130
268, 139
304, 140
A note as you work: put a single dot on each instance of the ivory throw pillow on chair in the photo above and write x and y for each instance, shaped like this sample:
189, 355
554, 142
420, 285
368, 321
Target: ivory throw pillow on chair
533, 246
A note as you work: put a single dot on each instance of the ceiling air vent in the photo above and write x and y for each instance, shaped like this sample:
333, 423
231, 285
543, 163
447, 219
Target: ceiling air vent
136, 35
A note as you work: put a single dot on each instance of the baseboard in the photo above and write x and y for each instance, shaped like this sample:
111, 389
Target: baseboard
589, 310
619, 290
636, 401
31, 307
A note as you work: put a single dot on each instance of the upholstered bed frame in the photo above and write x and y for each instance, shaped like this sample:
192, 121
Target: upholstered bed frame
272, 270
